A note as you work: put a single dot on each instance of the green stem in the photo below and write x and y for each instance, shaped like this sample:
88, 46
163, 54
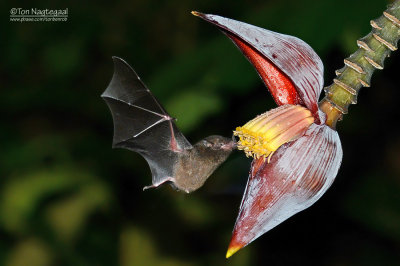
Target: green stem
359, 67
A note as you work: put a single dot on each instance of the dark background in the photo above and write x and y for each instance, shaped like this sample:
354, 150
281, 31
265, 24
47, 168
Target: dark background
67, 198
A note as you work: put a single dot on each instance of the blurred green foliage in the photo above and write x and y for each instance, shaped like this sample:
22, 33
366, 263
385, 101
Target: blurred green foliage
67, 198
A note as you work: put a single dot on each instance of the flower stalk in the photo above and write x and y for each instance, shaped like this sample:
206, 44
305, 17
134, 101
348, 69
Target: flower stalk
359, 67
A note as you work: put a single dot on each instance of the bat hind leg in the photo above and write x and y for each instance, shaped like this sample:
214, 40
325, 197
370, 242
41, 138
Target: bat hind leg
154, 185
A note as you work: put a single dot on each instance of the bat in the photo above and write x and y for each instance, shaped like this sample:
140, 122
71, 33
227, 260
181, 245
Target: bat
142, 125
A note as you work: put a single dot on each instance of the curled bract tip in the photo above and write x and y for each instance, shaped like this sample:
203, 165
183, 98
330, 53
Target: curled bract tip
196, 13
232, 249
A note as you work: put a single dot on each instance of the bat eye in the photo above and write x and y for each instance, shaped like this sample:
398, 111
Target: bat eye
207, 143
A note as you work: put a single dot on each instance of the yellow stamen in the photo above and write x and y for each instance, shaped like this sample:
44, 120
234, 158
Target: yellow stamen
267, 132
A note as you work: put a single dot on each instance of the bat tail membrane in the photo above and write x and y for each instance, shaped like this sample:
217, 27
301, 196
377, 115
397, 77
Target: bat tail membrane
141, 124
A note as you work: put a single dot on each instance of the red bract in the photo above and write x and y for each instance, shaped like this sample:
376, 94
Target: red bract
300, 171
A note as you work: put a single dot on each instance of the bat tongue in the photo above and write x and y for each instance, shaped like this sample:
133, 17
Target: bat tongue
279, 59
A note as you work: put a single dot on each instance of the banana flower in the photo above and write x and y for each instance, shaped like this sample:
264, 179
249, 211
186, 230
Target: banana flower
296, 155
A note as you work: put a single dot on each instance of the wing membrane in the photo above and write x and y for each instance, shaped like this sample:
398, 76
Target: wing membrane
141, 124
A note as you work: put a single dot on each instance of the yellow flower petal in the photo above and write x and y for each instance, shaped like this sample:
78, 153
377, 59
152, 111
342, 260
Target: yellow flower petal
267, 132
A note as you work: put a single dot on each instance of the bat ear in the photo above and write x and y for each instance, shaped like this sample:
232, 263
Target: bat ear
282, 53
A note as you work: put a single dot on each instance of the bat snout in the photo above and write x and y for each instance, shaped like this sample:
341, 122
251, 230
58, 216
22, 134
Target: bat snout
230, 145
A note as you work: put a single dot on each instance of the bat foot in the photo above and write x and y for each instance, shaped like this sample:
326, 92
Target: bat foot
147, 187
155, 185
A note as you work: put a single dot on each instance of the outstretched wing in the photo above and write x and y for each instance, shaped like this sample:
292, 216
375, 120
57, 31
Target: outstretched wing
141, 124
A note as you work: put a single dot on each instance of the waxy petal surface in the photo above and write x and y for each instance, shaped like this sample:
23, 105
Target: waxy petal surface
298, 174
279, 85
292, 56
